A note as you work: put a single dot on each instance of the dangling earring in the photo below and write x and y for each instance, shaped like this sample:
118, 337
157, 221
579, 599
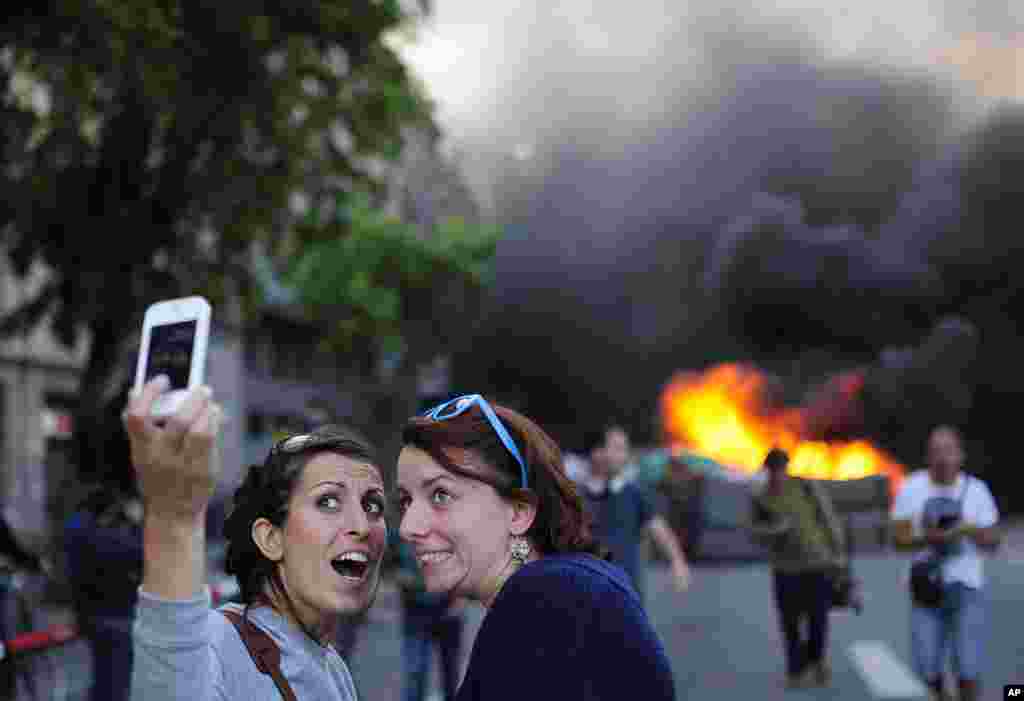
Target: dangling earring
520, 547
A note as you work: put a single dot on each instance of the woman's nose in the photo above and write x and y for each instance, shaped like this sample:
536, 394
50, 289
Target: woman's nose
412, 523
358, 523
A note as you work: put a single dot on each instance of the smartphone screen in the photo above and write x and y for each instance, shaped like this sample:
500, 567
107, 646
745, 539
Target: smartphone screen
170, 352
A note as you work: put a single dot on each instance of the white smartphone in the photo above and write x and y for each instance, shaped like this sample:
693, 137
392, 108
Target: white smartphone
175, 339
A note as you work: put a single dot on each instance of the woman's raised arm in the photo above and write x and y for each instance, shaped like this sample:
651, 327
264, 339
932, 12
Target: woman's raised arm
177, 473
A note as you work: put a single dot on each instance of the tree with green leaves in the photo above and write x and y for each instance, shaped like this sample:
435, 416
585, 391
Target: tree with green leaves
376, 277
147, 146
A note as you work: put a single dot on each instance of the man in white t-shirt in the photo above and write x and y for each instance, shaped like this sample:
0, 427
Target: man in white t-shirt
945, 512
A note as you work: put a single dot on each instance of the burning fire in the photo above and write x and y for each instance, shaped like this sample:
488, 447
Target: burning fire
725, 414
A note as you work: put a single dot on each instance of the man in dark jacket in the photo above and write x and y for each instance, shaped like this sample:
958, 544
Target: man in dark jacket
624, 512
428, 620
103, 547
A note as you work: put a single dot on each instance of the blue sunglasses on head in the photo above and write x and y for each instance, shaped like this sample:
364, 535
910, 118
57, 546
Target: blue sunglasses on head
461, 405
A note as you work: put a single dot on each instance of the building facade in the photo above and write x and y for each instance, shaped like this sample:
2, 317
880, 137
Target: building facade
39, 380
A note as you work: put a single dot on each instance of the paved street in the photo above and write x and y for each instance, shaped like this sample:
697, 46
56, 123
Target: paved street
723, 640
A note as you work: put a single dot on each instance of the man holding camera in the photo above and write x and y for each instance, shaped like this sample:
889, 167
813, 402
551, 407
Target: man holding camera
947, 515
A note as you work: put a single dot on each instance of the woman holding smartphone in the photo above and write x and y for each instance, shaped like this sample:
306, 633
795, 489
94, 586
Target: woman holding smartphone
492, 517
305, 540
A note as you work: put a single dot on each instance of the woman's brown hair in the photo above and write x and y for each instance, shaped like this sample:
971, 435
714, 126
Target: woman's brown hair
562, 524
265, 493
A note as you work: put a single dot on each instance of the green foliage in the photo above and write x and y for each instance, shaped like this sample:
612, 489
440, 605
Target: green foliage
153, 121
366, 268
147, 144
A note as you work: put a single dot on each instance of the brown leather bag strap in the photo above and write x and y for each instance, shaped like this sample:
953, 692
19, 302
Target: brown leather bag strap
264, 652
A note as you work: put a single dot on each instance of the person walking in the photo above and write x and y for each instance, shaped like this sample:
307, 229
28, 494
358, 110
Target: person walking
102, 547
103, 550
948, 516
624, 512
795, 520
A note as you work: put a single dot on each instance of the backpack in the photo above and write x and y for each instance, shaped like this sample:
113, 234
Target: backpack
844, 586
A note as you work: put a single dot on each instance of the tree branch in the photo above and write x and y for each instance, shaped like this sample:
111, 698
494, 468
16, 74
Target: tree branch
28, 313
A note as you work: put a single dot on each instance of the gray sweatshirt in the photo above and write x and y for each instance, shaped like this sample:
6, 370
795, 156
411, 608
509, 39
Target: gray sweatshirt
187, 651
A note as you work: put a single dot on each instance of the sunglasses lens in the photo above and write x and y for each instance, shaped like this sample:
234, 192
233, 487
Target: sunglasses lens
452, 408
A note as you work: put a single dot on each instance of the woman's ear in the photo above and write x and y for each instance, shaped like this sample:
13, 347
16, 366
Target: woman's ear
267, 537
524, 511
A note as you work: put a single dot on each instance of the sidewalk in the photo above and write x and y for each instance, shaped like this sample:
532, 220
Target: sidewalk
1013, 541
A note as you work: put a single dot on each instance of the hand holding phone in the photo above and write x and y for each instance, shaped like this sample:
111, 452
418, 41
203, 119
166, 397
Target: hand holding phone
175, 462
174, 343
176, 466
940, 537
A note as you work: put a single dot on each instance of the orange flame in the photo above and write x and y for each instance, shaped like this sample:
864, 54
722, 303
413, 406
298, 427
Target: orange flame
725, 414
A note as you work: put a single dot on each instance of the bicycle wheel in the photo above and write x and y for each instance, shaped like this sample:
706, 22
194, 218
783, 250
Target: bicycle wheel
28, 676
8, 629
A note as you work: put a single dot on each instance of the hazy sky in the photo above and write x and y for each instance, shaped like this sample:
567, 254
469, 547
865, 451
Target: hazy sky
505, 73
662, 161
642, 123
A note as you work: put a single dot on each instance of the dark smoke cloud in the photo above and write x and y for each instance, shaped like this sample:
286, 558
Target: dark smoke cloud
798, 184
934, 382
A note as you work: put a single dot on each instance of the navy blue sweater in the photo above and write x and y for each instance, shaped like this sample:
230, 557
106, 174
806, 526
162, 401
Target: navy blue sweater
567, 627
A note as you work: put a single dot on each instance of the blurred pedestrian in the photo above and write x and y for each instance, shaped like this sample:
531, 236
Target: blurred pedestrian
948, 517
795, 520
103, 552
14, 613
349, 628
576, 468
102, 543
306, 536
429, 620
625, 512
491, 516
684, 489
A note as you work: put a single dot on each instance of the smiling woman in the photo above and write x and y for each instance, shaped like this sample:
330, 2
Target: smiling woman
305, 541
487, 508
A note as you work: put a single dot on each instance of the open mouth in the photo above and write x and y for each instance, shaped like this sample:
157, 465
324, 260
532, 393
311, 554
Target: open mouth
351, 565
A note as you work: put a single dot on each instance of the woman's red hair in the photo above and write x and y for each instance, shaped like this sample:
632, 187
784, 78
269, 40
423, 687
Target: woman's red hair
562, 524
